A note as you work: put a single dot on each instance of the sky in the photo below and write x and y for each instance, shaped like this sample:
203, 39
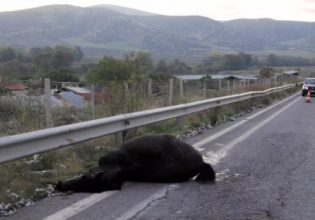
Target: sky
295, 10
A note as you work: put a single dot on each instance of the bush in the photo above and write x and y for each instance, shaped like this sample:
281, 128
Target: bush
9, 109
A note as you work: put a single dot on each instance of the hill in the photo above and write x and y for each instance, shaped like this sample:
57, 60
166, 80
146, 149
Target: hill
115, 30
125, 10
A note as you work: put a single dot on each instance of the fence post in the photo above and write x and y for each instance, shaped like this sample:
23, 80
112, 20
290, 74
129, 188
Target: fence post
204, 89
119, 137
126, 98
150, 87
181, 89
179, 120
240, 84
93, 101
228, 85
170, 98
220, 84
48, 110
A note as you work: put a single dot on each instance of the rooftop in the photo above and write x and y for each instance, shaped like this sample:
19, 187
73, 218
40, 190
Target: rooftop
15, 86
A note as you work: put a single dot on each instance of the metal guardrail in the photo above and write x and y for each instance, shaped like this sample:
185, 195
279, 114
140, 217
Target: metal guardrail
26, 144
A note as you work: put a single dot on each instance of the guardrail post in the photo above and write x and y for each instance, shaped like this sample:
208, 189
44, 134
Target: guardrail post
48, 110
180, 122
119, 138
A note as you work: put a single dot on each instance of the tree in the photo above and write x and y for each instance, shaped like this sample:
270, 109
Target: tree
7, 54
265, 72
44, 61
272, 60
247, 58
161, 67
217, 62
62, 75
77, 53
117, 75
234, 62
109, 69
62, 57
178, 67
142, 60
214, 62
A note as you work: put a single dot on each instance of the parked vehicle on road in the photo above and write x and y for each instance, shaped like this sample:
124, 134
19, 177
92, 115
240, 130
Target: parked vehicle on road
308, 85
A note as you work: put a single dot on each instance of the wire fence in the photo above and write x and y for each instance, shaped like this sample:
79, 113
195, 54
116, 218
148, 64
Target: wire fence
47, 104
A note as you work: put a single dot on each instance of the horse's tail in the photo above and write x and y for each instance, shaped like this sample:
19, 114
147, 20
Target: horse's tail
206, 173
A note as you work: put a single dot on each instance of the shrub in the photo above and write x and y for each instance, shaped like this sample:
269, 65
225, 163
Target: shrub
9, 109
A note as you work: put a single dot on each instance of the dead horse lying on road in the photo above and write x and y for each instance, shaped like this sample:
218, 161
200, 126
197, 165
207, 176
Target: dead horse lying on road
154, 158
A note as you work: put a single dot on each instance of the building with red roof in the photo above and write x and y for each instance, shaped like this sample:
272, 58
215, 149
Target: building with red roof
15, 88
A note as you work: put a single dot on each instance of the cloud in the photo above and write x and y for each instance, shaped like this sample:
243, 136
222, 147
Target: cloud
310, 10
228, 8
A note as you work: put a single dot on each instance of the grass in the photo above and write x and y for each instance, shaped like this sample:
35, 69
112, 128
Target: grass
23, 178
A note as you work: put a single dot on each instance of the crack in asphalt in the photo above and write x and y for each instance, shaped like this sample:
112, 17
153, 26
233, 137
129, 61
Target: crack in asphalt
141, 207
167, 190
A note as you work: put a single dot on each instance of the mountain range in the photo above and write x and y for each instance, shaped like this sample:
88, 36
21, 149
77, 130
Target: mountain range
113, 30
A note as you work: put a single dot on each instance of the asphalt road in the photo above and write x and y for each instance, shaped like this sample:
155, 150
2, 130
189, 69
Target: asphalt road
265, 165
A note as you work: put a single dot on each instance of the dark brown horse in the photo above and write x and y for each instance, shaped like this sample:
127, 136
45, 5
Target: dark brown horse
154, 158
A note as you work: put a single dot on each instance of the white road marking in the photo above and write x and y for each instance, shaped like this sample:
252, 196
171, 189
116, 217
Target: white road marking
232, 127
217, 156
79, 206
212, 157
140, 206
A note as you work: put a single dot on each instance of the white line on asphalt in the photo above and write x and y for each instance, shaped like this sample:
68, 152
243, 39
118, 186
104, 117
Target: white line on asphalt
232, 127
136, 209
89, 201
215, 157
79, 206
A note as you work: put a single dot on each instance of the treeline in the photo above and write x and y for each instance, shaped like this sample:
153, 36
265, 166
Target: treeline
135, 66
274, 60
53, 62
219, 62
240, 61
56, 63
